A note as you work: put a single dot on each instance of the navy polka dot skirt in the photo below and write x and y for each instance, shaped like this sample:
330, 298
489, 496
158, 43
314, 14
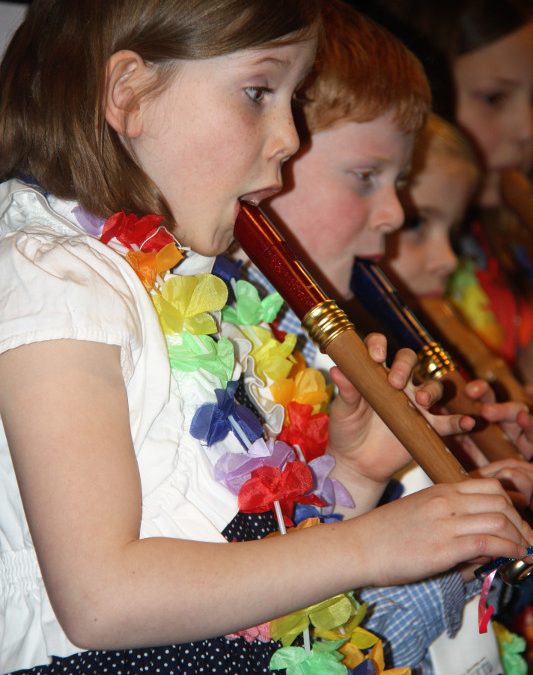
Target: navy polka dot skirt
216, 656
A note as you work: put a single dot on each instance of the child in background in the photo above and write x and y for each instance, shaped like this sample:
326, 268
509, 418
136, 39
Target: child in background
365, 101
122, 488
444, 178
443, 182
479, 58
420, 258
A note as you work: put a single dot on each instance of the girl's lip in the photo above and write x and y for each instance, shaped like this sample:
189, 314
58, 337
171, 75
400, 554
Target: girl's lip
432, 294
257, 197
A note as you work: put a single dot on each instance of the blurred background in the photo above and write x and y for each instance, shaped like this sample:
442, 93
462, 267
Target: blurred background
11, 14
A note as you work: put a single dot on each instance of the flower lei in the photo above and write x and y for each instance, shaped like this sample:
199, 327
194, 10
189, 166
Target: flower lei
287, 472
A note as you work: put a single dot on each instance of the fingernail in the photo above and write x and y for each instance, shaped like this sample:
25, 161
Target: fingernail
378, 353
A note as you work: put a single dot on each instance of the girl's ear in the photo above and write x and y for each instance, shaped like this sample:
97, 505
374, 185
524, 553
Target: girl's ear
126, 76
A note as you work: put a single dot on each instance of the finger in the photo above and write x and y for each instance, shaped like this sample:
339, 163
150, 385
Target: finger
402, 368
480, 390
493, 524
513, 479
474, 547
485, 487
503, 412
376, 344
497, 506
511, 463
347, 392
525, 421
428, 393
449, 425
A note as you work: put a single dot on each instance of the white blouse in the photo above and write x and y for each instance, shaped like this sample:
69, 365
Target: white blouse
57, 281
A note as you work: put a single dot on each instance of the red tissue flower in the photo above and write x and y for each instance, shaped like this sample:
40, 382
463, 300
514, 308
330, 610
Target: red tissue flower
309, 432
268, 484
146, 233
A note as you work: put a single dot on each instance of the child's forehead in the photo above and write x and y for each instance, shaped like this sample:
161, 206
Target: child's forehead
382, 134
512, 52
298, 54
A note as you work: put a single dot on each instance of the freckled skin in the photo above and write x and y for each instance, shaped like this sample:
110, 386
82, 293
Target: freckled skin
241, 104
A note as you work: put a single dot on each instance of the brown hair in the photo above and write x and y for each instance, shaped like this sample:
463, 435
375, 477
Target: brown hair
363, 71
52, 84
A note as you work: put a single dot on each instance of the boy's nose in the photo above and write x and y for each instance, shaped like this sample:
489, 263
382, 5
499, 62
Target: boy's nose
388, 214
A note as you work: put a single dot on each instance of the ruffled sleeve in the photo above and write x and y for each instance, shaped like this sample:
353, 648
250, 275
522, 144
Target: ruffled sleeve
56, 286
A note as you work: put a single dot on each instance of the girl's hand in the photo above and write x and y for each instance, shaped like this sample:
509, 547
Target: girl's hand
514, 417
435, 529
359, 439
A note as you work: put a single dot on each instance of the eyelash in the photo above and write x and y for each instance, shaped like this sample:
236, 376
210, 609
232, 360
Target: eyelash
365, 177
252, 93
413, 222
493, 99
300, 99
401, 183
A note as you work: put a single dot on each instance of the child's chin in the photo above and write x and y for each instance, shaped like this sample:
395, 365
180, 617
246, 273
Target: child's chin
436, 294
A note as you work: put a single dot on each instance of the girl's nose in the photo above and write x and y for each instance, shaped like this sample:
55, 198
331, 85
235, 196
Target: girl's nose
442, 259
523, 122
284, 141
388, 214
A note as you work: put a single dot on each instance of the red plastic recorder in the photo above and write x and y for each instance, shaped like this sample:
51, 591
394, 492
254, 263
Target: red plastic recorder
331, 329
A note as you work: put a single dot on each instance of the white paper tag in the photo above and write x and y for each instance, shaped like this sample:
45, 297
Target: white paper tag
469, 652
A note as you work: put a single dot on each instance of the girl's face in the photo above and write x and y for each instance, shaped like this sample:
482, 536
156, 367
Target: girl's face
344, 199
494, 87
435, 201
220, 132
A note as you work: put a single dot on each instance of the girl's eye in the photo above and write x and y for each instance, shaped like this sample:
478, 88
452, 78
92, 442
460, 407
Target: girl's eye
257, 94
494, 99
413, 221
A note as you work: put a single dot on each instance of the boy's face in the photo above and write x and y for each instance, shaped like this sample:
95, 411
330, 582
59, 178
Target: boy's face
420, 253
343, 200
494, 104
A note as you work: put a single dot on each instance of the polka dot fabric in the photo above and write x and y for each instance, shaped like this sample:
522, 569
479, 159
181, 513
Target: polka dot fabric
217, 656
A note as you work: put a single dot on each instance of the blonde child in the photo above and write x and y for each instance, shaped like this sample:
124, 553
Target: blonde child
124, 125
420, 258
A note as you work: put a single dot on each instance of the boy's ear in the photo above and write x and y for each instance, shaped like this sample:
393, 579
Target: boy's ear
126, 76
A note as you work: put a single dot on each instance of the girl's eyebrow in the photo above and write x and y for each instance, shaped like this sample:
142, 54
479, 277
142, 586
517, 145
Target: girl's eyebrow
429, 211
277, 61
501, 80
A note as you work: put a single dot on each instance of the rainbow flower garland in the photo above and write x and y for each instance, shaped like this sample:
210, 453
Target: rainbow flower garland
286, 472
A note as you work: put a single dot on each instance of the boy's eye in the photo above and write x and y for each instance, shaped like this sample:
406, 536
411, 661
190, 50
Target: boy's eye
365, 176
300, 99
401, 183
257, 94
